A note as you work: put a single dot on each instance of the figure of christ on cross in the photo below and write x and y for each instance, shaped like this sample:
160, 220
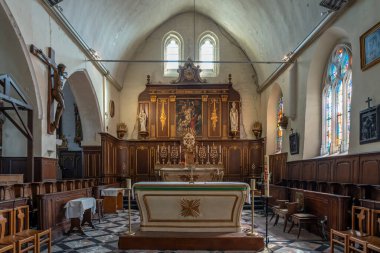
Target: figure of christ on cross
56, 77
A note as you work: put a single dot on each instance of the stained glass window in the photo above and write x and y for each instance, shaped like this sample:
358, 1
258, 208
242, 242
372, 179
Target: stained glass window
279, 133
172, 53
208, 51
336, 101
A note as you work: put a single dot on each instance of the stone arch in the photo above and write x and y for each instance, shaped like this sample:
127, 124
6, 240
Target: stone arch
313, 118
19, 65
88, 106
274, 96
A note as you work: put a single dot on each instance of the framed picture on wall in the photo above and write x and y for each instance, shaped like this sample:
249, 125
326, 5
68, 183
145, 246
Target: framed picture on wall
370, 125
370, 47
294, 143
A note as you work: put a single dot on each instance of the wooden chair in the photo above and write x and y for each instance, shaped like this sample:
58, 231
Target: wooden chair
374, 240
7, 243
99, 210
26, 234
361, 217
292, 208
281, 204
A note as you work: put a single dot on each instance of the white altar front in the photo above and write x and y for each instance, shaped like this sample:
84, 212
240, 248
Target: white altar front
187, 207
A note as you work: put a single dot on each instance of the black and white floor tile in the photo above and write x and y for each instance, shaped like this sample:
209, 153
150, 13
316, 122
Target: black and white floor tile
105, 237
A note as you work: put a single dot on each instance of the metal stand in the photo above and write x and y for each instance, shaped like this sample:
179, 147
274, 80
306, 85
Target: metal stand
252, 232
266, 225
129, 213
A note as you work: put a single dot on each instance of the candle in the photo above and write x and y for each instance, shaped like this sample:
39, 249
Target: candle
266, 175
196, 149
180, 150
253, 184
129, 183
158, 148
208, 148
220, 148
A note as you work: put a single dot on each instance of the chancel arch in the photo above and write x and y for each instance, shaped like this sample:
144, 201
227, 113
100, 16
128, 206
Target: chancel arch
88, 106
274, 101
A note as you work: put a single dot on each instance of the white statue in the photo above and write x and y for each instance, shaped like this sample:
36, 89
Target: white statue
142, 118
234, 118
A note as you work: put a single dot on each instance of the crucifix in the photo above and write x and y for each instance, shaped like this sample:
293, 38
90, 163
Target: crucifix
368, 101
56, 76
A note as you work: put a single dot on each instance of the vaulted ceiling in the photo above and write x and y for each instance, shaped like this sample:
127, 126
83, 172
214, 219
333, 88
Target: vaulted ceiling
265, 29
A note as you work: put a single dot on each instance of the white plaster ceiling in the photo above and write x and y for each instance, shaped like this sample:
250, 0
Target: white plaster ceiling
265, 29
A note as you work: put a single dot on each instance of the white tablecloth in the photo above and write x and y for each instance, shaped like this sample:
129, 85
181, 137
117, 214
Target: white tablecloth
75, 208
112, 191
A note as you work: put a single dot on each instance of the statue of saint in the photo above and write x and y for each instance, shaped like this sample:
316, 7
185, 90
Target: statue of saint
142, 118
234, 118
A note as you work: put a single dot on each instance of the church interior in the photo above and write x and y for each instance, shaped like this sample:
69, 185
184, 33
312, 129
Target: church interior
190, 125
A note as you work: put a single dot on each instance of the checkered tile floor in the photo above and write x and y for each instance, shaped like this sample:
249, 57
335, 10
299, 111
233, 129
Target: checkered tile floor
105, 237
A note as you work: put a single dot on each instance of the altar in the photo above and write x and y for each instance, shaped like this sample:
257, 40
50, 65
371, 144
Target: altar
186, 207
180, 173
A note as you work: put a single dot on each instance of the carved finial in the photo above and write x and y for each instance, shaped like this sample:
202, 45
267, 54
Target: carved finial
229, 78
148, 79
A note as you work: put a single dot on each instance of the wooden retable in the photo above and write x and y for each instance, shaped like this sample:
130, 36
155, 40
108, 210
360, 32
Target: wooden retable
303, 218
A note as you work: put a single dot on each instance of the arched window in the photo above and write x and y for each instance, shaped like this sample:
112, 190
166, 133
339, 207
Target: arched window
208, 52
279, 131
173, 52
336, 101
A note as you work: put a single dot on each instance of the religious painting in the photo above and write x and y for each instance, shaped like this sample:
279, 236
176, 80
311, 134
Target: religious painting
188, 115
370, 125
294, 143
370, 47
214, 118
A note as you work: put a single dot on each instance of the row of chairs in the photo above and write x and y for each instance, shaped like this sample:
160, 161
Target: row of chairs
15, 234
364, 235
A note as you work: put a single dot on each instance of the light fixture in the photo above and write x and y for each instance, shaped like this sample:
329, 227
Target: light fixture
286, 57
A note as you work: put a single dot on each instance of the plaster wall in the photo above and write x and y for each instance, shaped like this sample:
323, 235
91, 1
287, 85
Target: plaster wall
38, 28
310, 69
243, 76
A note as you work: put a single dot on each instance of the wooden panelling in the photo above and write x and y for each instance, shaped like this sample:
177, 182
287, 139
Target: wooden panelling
137, 158
52, 211
277, 164
45, 169
13, 165
92, 161
346, 169
308, 170
324, 168
370, 169
294, 171
70, 163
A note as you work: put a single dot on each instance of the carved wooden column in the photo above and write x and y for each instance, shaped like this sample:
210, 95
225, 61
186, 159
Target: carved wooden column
205, 115
152, 117
224, 116
172, 112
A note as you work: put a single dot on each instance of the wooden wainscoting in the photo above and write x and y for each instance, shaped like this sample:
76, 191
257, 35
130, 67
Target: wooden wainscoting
92, 161
355, 169
241, 159
13, 165
45, 169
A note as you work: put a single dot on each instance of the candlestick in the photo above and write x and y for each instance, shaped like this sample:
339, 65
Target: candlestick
208, 148
220, 148
129, 183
